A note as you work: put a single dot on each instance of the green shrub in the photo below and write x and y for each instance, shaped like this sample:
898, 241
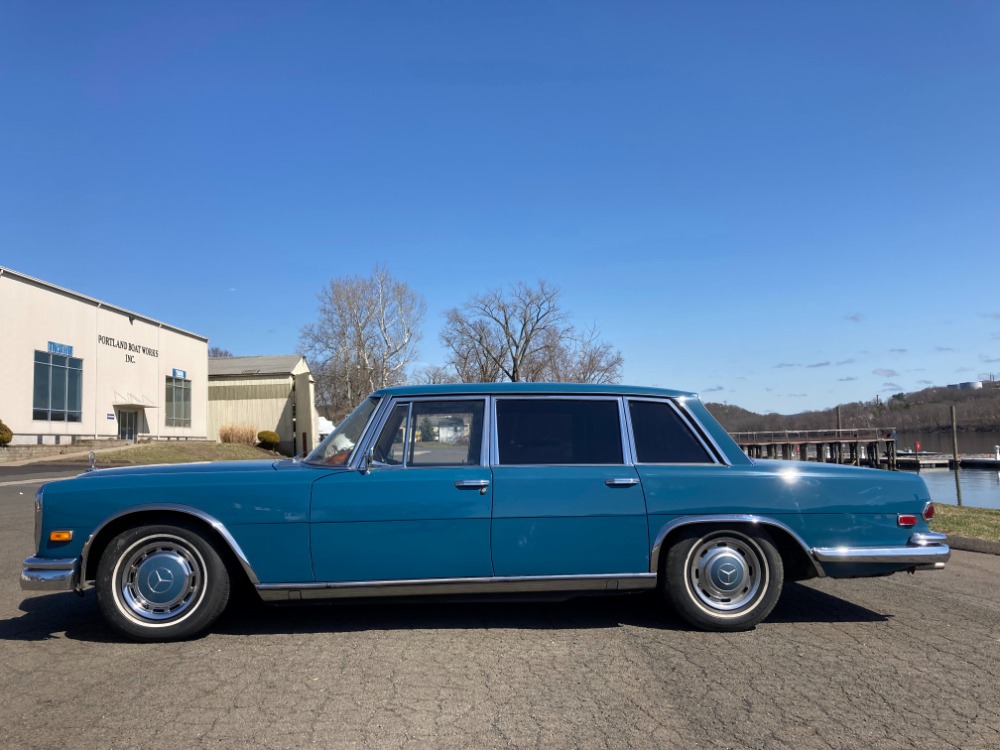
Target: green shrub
268, 439
241, 434
5, 434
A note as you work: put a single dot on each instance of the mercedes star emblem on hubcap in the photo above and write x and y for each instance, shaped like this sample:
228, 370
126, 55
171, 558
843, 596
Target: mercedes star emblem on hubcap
160, 580
728, 573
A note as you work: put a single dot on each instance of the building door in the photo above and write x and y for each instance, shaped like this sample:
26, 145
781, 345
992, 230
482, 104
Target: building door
127, 421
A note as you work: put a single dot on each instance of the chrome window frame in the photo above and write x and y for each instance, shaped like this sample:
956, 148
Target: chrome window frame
626, 446
712, 451
374, 430
406, 443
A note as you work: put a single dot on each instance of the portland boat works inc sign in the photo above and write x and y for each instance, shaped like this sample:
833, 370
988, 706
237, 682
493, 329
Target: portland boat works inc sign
128, 347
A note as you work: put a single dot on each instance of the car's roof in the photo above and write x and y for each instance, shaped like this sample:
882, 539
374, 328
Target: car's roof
531, 389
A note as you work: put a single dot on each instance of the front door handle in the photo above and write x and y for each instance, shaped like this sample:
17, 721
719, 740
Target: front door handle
472, 484
627, 482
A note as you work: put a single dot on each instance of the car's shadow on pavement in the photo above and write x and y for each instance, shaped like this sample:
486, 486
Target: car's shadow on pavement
54, 615
78, 618
802, 603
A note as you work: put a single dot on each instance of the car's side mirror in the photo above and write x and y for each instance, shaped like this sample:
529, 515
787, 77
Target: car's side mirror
367, 459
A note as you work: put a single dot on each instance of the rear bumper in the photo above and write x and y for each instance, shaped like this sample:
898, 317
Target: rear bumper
923, 550
49, 574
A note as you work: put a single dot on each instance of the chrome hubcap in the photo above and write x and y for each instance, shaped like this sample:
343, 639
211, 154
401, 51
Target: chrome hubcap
160, 579
726, 572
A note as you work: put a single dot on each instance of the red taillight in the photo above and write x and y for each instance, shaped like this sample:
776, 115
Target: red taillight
907, 520
928, 511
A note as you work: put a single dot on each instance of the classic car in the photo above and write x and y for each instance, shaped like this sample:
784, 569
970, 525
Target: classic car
483, 489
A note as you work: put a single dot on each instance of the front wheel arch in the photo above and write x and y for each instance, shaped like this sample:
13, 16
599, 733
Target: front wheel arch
236, 562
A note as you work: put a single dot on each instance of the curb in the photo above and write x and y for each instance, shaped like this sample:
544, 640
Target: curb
973, 545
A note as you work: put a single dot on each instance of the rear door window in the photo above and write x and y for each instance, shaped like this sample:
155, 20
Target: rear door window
558, 431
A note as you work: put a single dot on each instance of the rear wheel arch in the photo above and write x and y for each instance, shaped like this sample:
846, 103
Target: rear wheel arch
799, 563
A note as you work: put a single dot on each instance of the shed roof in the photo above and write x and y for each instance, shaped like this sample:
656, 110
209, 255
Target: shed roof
274, 364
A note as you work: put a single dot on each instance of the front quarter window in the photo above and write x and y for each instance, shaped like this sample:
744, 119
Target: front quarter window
336, 449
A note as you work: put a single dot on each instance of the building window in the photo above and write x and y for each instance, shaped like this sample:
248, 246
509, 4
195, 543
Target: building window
58, 395
178, 402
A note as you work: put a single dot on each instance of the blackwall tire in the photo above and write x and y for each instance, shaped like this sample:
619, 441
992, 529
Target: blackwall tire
723, 579
161, 583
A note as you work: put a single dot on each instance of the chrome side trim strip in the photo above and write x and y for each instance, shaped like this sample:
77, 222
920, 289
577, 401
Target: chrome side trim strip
49, 574
929, 554
654, 555
185, 509
277, 592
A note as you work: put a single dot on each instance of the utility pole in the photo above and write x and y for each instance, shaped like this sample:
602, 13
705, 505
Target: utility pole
954, 450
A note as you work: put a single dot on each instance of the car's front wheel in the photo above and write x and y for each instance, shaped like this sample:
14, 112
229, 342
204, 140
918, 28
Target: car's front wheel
723, 579
162, 582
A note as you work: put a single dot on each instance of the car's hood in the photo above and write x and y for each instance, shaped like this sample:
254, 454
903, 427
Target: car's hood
204, 467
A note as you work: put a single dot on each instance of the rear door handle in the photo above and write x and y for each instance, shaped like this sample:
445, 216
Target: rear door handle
472, 484
626, 482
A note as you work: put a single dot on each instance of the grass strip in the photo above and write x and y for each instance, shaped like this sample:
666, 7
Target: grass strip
975, 523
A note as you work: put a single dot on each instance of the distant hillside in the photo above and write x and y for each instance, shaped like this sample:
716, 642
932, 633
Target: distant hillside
922, 411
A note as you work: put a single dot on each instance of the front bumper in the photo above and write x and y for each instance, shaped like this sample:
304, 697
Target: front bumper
49, 574
926, 550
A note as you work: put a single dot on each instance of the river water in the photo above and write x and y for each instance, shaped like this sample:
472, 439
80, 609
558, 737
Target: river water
980, 487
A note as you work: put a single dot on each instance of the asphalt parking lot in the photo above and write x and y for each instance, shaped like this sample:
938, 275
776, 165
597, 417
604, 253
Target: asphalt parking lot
899, 662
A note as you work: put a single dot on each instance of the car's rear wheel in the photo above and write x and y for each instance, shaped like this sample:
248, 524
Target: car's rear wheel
160, 583
723, 579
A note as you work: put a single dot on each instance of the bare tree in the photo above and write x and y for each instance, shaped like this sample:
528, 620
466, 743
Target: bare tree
364, 338
216, 352
581, 357
434, 375
523, 335
475, 347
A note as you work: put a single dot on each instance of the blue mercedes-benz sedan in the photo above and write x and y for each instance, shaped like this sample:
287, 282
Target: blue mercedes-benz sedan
481, 489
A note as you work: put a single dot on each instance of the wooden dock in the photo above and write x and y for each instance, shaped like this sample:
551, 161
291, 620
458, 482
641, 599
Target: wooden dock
944, 461
867, 446
875, 447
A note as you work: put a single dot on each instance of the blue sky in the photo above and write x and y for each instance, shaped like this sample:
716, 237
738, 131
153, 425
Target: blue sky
781, 205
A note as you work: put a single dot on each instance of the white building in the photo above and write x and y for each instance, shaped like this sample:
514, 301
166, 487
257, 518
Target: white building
73, 367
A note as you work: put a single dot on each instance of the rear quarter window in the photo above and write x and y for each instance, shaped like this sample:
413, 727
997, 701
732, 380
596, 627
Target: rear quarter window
662, 437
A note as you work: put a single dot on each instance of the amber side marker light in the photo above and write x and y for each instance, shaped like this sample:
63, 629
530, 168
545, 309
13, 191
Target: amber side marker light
60, 536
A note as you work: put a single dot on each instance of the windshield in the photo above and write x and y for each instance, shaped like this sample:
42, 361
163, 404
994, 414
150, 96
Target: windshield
338, 445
